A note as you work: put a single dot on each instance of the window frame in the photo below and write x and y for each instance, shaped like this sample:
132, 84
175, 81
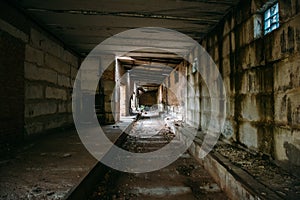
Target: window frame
277, 23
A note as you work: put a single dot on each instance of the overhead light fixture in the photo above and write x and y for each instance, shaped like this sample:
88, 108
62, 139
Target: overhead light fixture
124, 58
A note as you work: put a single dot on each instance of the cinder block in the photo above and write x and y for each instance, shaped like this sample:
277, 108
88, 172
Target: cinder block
36, 38
34, 127
281, 136
226, 46
62, 107
34, 91
63, 81
52, 48
249, 108
32, 72
55, 93
57, 64
73, 72
286, 74
34, 55
38, 109
226, 66
71, 59
248, 135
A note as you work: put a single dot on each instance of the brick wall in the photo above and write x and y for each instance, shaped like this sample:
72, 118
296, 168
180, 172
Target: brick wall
261, 76
50, 71
36, 75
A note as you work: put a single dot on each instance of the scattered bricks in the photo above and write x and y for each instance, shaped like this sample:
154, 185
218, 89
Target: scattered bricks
32, 72
63, 81
57, 64
34, 55
55, 93
38, 109
34, 91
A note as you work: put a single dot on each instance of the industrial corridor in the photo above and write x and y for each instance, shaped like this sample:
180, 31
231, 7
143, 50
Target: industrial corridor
156, 99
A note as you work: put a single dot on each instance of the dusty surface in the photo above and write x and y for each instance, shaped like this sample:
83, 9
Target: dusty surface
262, 169
49, 167
183, 179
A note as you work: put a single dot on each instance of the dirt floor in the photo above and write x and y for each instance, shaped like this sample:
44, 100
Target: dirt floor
183, 179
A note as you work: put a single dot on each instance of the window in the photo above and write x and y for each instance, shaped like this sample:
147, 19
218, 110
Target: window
271, 18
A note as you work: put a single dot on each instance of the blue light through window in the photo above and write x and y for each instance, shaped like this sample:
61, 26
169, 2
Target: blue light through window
271, 18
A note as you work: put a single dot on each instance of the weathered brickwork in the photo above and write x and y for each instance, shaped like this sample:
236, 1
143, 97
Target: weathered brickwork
37, 76
50, 71
261, 77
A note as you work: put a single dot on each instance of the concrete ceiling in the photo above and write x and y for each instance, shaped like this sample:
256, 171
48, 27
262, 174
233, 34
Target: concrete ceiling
81, 25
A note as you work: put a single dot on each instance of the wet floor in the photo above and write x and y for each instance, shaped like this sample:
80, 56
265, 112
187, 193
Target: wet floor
183, 179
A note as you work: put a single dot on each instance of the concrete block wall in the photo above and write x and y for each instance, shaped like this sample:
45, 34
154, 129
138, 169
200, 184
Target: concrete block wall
38, 78
261, 76
49, 71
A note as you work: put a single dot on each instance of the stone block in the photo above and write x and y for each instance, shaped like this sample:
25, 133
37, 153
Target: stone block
63, 81
226, 46
280, 108
38, 109
71, 59
52, 48
34, 55
286, 74
226, 66
34, 91
248, 135
57, 64
56, 93
281, 136
62, 107
73, 72
32, 72
34, 127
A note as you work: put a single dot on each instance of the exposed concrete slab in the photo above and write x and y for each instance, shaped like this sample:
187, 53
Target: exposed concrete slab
49, 167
